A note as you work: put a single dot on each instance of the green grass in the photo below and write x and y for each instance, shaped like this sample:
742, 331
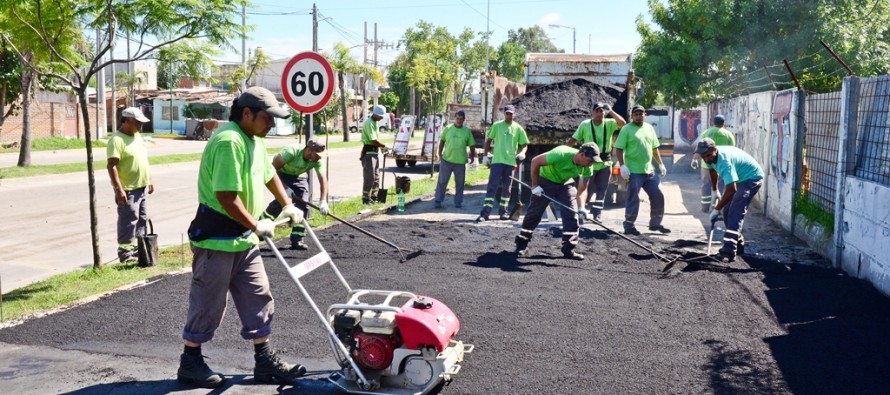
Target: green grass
814, 212
66, 288
54, 144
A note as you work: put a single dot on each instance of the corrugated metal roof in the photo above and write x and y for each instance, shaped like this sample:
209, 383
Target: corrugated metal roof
567, 57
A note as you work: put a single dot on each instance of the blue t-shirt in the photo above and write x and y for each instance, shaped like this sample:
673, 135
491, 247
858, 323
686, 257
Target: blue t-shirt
736, 165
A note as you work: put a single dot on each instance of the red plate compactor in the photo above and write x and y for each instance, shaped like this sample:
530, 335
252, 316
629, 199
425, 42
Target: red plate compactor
385, 342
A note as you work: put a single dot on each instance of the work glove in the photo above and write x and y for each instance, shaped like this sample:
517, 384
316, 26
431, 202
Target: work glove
538, 191
520, 157
625, 172
607, 109
323, 208
583, 214
292, 213
264, 228
714, 216
486, 160
694, 164
662, 169
715, 197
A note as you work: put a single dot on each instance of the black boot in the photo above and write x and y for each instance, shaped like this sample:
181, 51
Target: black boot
269, 365
521, 246
193, 371
568, 252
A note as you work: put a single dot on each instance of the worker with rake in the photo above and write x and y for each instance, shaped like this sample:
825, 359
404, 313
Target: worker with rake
552, 176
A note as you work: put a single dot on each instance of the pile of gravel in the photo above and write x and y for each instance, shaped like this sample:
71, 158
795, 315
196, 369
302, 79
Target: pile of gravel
561, 107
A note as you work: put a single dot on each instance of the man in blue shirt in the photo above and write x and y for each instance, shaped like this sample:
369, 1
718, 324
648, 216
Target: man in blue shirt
743, 177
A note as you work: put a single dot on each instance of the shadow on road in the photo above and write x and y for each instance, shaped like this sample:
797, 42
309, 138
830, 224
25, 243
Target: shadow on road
506, 261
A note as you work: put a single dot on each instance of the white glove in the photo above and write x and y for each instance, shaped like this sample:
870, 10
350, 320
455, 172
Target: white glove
694, 164
323, 208
265, 227
538, 191
583, 214
715, 197
606, 110
662, 169
714, 216
487, 159
625, 172
291, 212
520, 157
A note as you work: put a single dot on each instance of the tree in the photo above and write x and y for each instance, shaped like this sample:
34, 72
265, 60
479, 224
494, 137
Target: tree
259, 60
389, 99
699, 51
188, 58
510, 58
10, 71
50, 24
532, 39
343, 63
471, 61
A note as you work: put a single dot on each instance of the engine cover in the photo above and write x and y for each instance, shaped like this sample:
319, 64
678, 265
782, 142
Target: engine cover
374, 351
425, 321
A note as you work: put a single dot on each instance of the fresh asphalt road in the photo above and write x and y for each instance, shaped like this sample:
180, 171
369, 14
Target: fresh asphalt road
775, 322
46, 222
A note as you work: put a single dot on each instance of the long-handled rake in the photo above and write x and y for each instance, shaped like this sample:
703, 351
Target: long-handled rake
404, 254
638, 244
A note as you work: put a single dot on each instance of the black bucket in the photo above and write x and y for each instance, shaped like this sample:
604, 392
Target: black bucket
403, 184
147, 246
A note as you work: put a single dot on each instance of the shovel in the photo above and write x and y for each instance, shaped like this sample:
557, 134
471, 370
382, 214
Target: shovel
382, 192
517, 209
711, 234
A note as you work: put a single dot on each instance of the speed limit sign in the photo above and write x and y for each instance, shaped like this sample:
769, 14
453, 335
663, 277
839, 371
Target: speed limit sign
307, 82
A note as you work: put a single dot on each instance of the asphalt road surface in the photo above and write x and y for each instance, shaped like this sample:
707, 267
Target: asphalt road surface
611, 324
46, 221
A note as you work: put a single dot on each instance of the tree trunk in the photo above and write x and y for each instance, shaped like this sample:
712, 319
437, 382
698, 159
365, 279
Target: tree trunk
342, 83
91, 177
27, 80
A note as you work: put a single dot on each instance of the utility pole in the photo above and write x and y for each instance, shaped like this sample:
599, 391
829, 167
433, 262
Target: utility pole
310, 132
364, 78
487, 35
243, 48
113, 84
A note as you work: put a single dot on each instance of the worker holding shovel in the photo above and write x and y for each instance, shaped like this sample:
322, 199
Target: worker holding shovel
551, 177
743, 177
292, 162
601, 131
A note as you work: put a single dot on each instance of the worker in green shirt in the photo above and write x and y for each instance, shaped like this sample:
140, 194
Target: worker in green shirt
234, 170
370, 158
720, 136
637, 146
601, 131
131, 180
505, 145
552, 174
455, 140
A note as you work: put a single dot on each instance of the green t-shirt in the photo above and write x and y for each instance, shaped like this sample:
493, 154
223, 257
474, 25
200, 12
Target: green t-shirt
560, 166
294, 164
232, 161
507, 139
720, 136
370, 132
736, 165
638, 143
456, 140
132, 167
584, 134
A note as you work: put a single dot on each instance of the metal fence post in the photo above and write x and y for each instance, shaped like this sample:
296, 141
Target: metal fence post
846, 155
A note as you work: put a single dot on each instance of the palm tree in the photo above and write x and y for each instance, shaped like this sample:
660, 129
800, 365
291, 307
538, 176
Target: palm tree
343, 64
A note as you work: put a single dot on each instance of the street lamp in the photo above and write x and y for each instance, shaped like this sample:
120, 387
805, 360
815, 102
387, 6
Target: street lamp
552, 25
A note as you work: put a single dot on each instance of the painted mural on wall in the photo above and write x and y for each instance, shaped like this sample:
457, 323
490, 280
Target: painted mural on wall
781, 143
690, 125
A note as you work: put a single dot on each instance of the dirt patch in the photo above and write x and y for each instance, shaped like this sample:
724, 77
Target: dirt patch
562, 106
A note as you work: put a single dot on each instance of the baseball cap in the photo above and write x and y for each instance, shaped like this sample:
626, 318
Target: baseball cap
133, 112
259, 97
704, 145
591, 150
379, 110
599, 105
509, 108
719, 118
317, 147
637, 108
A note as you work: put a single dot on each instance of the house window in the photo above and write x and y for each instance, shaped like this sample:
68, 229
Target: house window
165, 113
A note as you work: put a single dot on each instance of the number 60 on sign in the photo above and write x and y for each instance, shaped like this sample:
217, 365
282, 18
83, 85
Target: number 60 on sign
307, 82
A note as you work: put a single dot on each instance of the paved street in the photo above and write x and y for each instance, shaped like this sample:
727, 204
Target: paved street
777, 321
46, 218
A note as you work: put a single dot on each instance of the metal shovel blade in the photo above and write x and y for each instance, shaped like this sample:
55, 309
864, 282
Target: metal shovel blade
710, 238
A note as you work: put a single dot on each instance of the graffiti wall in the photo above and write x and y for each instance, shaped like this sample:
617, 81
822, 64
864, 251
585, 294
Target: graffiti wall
690, 126
780, 165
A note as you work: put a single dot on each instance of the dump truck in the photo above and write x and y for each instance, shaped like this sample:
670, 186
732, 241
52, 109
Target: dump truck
496, 92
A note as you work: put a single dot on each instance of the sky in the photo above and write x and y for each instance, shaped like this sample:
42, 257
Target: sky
283, 28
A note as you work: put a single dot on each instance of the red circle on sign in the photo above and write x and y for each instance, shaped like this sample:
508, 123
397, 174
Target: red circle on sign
312, 62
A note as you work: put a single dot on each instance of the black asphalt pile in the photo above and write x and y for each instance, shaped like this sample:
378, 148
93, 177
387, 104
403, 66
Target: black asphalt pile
611, 324
562, 106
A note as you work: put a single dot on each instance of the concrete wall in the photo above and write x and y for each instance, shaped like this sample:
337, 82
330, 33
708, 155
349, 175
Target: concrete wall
866, 232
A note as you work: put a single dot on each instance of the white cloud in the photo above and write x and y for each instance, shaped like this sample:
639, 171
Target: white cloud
546, 20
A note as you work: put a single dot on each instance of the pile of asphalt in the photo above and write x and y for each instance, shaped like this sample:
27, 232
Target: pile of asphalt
562, 106
610, 324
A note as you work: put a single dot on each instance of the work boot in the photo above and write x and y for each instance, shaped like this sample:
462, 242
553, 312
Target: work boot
504, 217
521, 246
726, 257
660, 229
632, 231
299, 245
740, 248
269, 365
568, 252
193, 371
481, 218
437, 205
